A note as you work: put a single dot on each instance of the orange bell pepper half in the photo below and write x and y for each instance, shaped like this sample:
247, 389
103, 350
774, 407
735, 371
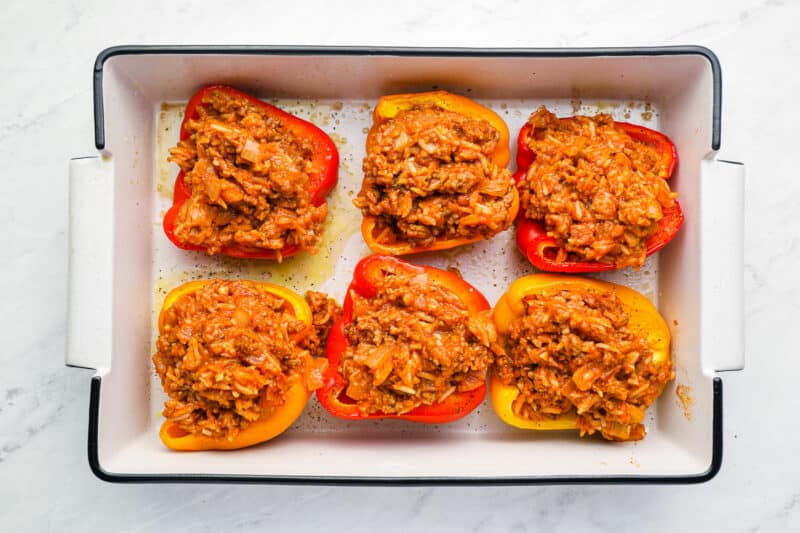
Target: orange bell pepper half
644, 320
367, 274
272, 422
387, 108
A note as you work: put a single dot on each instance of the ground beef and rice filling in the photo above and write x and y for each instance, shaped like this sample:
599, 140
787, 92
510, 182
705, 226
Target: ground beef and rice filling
325, 311
226, 353
429, 176
575, 353
414, 343
249, 180
599, 193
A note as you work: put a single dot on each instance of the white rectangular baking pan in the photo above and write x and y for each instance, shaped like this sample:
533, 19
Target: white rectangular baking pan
122, 265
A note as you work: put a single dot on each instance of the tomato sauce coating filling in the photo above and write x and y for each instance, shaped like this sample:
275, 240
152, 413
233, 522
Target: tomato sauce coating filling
227, 352
414, 343
598, 192
429, 177
249, 180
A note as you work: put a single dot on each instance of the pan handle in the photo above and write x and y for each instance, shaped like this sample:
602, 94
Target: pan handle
722, 264
91, 203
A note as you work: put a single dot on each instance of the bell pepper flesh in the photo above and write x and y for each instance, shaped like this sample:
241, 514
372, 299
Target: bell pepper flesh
387, 108
332, 394
322, 178
541, 249
272, 423
644, 320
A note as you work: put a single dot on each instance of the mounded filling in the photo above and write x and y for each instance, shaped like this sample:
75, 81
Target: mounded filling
574, 352
226, 354
429, 176
414, 343
599, 193
249, 180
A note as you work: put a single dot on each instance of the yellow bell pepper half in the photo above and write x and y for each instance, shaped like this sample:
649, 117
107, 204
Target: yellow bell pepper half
644, 321
272, 422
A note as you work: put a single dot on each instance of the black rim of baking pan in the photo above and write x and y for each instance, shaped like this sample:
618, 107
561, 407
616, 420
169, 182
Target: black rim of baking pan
99, 133
716, 118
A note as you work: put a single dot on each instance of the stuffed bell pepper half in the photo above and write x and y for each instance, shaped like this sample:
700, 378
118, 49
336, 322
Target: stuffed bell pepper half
253, 178
414, 343
578, 354
593, 193
237, 361
435, 174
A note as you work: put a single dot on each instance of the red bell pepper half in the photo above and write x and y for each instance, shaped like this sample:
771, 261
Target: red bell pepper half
365, 281
541, 249
322, 178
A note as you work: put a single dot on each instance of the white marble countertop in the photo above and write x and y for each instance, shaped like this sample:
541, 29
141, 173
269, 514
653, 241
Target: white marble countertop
46, 118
